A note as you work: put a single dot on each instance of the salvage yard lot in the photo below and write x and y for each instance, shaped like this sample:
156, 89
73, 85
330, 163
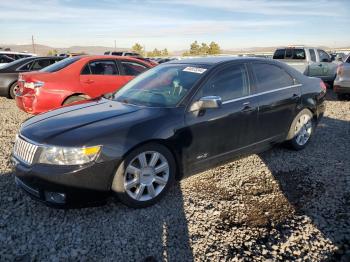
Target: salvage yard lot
277, 205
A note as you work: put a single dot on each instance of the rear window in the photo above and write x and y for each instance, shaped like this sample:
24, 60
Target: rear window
289, 53
60, 65
279, 54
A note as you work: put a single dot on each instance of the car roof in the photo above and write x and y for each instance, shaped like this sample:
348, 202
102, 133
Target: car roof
215, 60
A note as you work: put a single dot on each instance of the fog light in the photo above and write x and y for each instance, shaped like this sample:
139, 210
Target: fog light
55, 197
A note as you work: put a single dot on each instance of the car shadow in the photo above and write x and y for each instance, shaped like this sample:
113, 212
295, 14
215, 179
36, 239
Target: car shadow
30, 231
315, 188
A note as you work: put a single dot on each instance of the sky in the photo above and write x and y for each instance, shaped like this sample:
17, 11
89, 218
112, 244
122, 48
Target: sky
175, 24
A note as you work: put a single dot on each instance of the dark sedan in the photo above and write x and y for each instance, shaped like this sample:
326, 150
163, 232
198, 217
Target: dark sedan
176, 119
9, 72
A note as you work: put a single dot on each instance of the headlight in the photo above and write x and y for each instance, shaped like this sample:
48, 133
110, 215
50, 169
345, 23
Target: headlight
68, 155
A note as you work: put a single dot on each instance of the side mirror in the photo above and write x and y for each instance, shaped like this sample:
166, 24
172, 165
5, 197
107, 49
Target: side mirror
206, 103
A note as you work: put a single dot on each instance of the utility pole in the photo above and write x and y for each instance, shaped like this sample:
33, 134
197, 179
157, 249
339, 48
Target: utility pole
33, 45
115, 45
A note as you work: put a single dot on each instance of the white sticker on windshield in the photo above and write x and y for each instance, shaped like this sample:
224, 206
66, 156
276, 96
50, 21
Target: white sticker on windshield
196, 70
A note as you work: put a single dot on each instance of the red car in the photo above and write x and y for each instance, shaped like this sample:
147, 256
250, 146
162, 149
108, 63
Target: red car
75, 79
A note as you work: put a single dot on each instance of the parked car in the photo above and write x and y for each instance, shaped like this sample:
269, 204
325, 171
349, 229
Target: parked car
9, 72
75, 79
117, 53
342, 82
16, 55
176, 119
309, 61
4, 59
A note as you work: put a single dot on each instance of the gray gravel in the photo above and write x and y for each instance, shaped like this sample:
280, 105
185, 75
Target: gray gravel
278, 205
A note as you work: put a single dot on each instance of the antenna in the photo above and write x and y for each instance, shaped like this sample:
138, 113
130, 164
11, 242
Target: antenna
33, 45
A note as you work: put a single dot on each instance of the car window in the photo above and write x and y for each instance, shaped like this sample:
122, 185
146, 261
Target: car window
298, 53
40, 64
323, 55
312, 55
26, 67
229, 83
86, 70
279, 54
5, 59
133, 68
103, 67
348, 60
117, 53
270, 77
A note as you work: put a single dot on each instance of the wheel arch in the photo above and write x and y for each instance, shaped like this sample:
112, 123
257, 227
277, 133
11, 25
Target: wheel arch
74, 94
167, 145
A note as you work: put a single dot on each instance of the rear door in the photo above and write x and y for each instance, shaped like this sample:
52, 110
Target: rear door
215, 132
278, 94
99, 77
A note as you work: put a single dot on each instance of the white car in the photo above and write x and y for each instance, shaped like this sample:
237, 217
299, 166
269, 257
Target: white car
10, 56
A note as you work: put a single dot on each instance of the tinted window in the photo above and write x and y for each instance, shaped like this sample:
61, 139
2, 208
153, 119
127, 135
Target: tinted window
162, 86
312, 55
5, 59
86, 70
298, 53
323, 55
103, 68
117, 53
279, 54
229, 83
40, 64
60, 65
289, 53
133, 68
271, 77
26, 67
348, 60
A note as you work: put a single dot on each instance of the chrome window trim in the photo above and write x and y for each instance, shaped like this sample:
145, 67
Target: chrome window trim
259, 94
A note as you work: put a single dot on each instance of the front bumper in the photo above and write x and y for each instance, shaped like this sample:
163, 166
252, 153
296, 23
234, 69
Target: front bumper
73, 186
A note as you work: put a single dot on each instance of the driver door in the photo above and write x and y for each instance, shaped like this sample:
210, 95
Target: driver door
223, 131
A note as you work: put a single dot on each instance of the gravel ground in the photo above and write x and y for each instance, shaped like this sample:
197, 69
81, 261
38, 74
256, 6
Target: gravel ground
278, 205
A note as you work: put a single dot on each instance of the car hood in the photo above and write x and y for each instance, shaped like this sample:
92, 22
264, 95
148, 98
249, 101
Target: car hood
43, 127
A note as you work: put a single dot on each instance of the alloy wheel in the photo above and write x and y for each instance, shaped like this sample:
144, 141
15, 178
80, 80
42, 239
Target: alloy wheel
146, 175
303, 129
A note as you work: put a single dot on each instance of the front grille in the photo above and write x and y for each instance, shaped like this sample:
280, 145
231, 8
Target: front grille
24, 151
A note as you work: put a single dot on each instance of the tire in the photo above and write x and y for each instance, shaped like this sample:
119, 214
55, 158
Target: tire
73, 99
342, 97
301, 130
130, 172
12, 90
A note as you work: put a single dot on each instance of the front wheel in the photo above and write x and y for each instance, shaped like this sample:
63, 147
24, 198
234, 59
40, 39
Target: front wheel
301, 130
144, 176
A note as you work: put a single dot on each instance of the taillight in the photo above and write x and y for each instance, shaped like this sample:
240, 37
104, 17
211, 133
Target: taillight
323, 86
32, 85
340, 70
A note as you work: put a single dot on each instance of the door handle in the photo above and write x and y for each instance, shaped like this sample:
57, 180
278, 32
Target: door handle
320, 65
247, 108
89, 81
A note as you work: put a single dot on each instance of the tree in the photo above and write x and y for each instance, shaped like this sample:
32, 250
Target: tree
165, 52
195, 48
52, 52
203, 50
214, 49
138, 48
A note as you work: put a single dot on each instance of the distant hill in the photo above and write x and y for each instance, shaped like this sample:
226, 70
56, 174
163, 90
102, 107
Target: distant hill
44, 49
99, 50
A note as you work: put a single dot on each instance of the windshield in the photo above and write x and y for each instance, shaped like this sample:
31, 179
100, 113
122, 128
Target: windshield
60, 65
161, 86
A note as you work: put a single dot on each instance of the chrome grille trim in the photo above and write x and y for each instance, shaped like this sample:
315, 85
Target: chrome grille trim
24, 151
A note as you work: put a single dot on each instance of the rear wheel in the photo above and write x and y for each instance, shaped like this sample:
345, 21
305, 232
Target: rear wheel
301, 130
73, 99
13, 90
144, 176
